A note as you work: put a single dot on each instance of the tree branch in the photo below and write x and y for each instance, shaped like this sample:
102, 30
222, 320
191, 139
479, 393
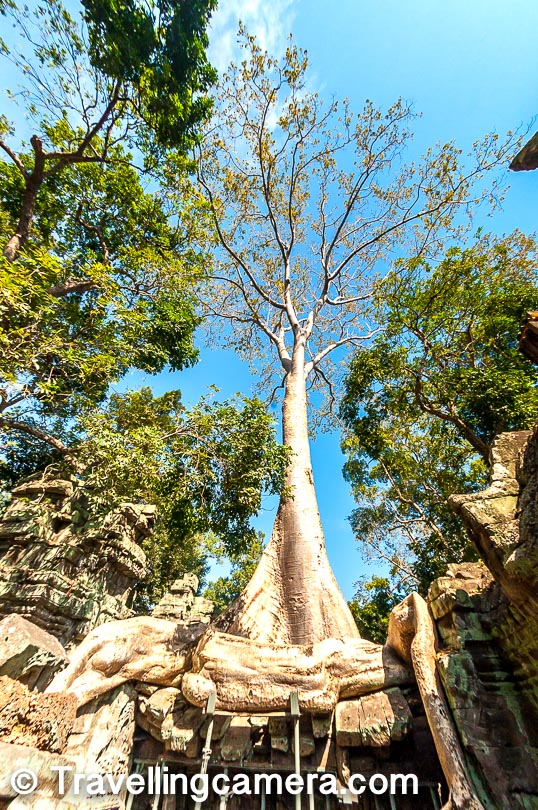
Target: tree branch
75, 286
43, 436
478, 444
15, 158
335, 345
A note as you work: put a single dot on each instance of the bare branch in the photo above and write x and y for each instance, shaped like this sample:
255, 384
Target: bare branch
350, 339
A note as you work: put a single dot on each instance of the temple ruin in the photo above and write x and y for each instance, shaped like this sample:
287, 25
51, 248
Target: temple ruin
174, 692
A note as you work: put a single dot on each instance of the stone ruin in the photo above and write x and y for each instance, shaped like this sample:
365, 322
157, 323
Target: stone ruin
68, 561
485, 667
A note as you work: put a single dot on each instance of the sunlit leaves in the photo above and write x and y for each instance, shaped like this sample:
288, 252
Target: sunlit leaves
96, 224
425, 401
159, 50
205, 468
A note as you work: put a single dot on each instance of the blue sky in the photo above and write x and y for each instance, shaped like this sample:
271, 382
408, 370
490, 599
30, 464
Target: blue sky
468, 67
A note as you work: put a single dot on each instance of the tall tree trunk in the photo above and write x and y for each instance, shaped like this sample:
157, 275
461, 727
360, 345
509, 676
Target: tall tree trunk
293, 597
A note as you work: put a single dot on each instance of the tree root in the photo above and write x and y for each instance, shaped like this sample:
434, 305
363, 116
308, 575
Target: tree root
140, 648
246, 675
255, 677
412, 636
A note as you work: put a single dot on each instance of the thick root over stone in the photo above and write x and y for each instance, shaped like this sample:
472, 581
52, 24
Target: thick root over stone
141, 648
253, 677
412, 636
246, 675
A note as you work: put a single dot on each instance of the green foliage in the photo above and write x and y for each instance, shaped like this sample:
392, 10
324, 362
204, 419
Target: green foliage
159, 49
449, 344
98, 272
371, 608
59, 353
424, 402
137, 70
98, 277
401, 489
205, 469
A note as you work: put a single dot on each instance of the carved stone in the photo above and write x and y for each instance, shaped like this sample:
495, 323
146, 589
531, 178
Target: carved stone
373, 720
236, 745
181, 605
474, 702
487, 618
68, 560
102, 737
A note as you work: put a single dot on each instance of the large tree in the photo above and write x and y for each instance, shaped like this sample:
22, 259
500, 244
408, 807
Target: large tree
125, 73
309, 203
424, 402
96, 277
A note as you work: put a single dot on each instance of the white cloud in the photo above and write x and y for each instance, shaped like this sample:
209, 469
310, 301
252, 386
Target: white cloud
269, 20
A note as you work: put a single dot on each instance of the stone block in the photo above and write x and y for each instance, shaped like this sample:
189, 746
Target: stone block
158, 705
279, 743
280, 734
221, 723
307, 745
373, 720
180, 728
278, 726
193, 613
321, 725
237, 745
68, 561
14, 757
102, 739
28, 653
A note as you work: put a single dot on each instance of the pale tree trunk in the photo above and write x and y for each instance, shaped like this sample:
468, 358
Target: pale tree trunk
293, 597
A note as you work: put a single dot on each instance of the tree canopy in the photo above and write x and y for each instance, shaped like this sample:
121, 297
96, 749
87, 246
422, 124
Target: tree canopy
423, 403
127, 74
96, 277
61, 350
311, 201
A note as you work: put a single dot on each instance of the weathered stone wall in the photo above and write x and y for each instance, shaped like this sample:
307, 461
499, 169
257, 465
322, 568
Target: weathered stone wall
487, 622
45, 730
502, 521
68, 561
181, 605
496, 731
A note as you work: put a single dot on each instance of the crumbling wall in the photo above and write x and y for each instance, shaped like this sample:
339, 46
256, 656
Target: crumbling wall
68, 560
487, 621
